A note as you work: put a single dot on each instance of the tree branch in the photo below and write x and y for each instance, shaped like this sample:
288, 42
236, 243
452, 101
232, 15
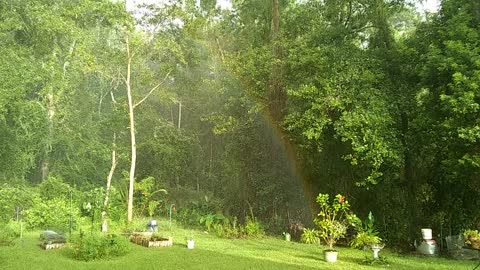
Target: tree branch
151, 91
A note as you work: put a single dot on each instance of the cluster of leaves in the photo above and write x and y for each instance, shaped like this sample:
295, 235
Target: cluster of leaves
367, 234
251, 229
210, 220
471, 236
12, 197
310, 236
9, 232
149, 197
54, 213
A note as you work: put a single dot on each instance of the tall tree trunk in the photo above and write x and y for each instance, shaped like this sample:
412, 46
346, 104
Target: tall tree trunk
276, 95
132, 135
45, 165
131, 107
48, 147
109, 182
277, 100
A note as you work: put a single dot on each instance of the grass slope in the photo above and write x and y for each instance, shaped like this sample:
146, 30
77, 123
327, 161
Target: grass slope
214, 253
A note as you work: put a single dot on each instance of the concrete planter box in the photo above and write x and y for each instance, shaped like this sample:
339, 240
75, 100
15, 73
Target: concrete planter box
147, 240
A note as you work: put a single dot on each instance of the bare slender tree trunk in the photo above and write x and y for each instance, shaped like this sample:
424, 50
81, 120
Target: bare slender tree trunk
179, 114
109, 182
131, 107
132, 136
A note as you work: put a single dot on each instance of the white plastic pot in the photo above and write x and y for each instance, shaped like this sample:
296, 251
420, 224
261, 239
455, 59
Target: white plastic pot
427, 234
190, 244
330, 256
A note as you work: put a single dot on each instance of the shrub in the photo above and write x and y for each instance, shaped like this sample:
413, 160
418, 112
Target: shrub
220, 230
310, 236
210, 220
253, 228
12, 197
8, 233
229, 230
99, 246
53, 187
55, 213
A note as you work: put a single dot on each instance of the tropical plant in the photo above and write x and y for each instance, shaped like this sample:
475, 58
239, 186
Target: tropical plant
209, 220
310, 236
149, 196
367, 234
334, 218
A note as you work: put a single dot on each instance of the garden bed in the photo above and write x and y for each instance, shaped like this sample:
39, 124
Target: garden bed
47, 246
149, 240
52, 240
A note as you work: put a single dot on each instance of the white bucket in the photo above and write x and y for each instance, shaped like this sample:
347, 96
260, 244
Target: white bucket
330, 256
427, 234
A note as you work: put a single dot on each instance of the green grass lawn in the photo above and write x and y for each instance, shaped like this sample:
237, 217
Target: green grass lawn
212, 252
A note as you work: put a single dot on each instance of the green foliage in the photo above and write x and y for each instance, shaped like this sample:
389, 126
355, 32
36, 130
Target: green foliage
253, 228
367, 234
310, 236
210, 220
382, 261
229, 229
149, 196
13, 197
333, 218
365, 239
9, 232
88, 247
395, 116
54, 187
192, 206
54, 213
471, 235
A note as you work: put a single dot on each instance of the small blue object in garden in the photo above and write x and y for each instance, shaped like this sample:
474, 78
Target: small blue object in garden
152, 226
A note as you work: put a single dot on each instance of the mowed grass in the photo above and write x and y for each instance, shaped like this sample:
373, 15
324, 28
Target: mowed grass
212, 252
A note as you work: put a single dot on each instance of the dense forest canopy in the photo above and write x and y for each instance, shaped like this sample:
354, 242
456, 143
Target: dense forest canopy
245, 111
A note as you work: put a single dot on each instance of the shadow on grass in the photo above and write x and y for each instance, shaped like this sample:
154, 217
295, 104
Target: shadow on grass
315, 258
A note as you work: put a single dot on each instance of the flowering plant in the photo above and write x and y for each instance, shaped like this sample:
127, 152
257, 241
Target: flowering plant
333, 218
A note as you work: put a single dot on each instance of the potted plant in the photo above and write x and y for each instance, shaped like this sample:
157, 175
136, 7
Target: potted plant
367, 237
472, 238
332, 221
